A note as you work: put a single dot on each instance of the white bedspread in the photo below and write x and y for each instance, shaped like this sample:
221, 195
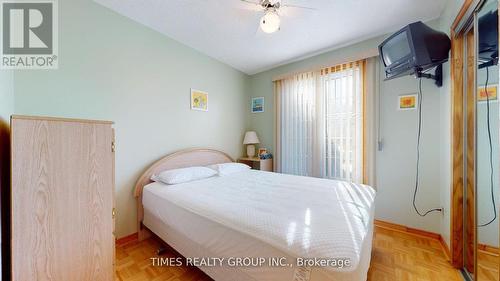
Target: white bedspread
301, 216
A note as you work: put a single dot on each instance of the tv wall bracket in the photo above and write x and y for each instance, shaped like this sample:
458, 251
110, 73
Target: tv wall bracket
437, 76
491, 62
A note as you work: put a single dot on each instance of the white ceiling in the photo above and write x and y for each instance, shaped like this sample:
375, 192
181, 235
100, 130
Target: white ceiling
227, 30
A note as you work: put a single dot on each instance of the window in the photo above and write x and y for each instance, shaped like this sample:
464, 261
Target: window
343, 141
320, 123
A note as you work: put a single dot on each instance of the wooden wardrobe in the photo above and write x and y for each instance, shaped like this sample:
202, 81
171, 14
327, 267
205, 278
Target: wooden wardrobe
62, 199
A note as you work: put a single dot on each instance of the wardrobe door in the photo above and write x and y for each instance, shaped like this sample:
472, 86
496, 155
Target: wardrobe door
487, 172
62, 200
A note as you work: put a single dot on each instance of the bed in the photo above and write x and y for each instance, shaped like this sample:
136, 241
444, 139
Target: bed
257, 218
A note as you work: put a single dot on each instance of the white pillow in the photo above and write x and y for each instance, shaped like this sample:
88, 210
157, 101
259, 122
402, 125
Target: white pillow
176, 176
229, 168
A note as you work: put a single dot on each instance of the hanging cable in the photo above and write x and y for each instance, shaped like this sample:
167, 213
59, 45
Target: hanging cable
491, 149
419, 133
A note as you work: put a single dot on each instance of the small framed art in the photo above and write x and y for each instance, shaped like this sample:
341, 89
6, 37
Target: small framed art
199, 100
258, 105
407, 102
492, 93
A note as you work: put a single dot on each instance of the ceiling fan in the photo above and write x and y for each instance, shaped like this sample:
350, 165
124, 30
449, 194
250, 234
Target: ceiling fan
270, 22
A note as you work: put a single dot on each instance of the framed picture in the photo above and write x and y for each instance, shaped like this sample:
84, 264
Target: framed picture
492, 93
258, 105
262, 151
407, 102
199, 100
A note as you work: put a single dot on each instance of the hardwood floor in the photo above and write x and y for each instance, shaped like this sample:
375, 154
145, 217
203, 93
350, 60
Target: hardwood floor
395, 256
487, 263
133, 262
401, 256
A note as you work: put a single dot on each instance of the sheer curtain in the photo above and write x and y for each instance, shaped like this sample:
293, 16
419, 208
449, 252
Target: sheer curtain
320, 129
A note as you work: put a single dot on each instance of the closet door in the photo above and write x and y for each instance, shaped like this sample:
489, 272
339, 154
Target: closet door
487, 124
62, 199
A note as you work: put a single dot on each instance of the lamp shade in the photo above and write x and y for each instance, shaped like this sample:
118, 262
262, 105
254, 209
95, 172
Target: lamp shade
251, 138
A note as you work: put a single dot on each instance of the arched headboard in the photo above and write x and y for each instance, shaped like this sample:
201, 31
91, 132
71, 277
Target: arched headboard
180, 159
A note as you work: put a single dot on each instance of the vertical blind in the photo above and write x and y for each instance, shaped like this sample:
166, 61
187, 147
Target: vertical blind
320, 124
298, 104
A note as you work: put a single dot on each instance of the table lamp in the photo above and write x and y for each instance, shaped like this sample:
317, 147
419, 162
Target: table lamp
251, 139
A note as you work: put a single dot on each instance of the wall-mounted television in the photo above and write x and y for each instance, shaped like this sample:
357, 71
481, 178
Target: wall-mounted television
413, 50
488, 39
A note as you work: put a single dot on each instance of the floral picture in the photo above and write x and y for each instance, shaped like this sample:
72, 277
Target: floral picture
199, 100
258, 105
492, 93
407, 102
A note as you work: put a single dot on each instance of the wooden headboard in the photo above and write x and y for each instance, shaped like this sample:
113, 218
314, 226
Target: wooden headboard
180, 159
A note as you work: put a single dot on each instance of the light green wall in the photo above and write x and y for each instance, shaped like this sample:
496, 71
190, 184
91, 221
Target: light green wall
395, 166
113, 68
396, 162
6, 95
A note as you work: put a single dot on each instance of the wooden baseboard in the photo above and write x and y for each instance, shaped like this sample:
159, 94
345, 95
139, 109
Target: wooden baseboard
127, 239
417, 232
492, 250
402, 228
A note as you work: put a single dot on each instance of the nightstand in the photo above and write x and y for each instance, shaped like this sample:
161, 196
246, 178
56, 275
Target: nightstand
258, 164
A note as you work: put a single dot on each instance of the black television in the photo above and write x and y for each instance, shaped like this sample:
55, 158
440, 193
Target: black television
413, 50
488, 39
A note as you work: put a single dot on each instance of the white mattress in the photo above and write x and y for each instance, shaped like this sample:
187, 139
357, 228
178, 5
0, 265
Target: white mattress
260, 214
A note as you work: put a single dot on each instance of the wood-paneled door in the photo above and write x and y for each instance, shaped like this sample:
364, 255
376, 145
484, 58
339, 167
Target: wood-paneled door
474, 68
470, 155
460, 144
463, 196
62, 199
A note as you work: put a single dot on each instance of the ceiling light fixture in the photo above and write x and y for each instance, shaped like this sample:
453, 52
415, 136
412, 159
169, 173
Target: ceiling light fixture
270, 22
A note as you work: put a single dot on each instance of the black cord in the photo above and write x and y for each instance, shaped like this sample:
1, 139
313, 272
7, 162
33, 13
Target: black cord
491, 149
419, 133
